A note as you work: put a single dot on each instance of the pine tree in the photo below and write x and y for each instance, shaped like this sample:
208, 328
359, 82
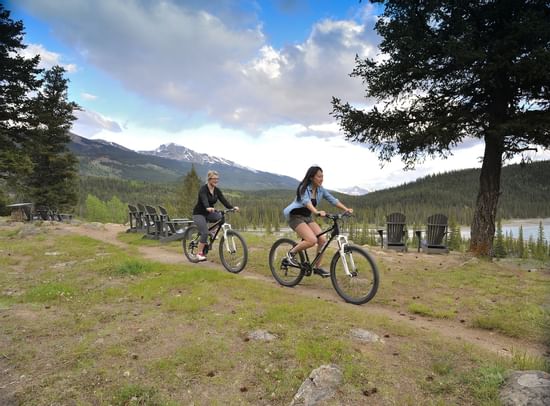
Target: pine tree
456, 69
499, 251
455, 238
521, 244
18, 79
187, 193
54, 181
540, 250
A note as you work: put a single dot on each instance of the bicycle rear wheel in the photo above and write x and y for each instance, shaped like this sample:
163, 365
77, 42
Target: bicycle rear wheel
361, 284
286, 275
190, 243
233, 251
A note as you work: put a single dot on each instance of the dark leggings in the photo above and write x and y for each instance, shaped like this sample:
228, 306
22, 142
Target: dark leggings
202, 223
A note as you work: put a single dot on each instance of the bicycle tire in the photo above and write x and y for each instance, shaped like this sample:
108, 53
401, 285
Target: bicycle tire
286, 275
190, 243
362, 286
234, 260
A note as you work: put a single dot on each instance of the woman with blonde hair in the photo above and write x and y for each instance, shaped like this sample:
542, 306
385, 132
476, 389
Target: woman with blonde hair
204, 211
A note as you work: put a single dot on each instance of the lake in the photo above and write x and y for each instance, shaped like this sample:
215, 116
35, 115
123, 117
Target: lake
530, 228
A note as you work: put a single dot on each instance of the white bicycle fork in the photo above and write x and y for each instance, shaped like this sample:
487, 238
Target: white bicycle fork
229, 242
342, 244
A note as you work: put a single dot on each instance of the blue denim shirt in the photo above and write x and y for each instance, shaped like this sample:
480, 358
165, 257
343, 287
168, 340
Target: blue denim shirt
306, 198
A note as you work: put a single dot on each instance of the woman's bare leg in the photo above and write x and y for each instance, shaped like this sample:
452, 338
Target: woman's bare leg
319, 240
308, 238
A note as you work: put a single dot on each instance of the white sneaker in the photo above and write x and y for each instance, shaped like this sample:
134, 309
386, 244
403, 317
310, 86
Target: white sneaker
291, 259
201, 257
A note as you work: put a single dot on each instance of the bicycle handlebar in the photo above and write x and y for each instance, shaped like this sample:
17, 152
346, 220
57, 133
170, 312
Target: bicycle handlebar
225, 211
338, 216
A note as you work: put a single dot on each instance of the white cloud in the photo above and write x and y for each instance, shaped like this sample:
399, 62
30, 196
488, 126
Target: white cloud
90, 123
214, 60
88, 96
47, 58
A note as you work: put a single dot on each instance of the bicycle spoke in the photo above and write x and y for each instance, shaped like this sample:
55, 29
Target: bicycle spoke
190, 243
354, 275
283, 273
233, 252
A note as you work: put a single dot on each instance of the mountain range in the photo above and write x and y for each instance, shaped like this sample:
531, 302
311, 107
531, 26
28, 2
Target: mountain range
169, 162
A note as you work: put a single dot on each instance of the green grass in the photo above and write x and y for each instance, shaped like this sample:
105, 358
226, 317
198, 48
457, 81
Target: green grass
96, 324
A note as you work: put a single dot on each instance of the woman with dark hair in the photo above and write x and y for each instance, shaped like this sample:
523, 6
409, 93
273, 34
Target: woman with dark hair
309, 194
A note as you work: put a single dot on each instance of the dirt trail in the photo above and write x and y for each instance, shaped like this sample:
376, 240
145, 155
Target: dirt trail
450, 329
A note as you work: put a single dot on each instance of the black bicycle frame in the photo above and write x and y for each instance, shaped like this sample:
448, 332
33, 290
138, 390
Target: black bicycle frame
334, 230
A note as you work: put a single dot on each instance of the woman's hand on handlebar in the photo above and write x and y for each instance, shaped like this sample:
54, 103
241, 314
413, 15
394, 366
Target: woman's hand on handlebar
349, 210
321, 213
236, 208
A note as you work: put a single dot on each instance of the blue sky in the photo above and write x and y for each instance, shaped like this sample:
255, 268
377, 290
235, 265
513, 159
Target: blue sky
248, 81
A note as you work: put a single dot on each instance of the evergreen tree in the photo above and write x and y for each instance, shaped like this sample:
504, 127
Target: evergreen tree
499, 250
521, 243
187, 193
54, 181
540, 251
18, 79
455, 238
451, 70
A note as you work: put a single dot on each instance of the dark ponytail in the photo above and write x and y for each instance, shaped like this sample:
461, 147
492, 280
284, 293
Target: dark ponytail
306, 181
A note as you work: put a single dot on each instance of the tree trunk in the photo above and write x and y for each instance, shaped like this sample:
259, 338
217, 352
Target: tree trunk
483, 223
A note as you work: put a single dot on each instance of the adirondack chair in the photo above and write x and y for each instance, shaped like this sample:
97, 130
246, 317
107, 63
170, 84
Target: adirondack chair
172, 229
153, 223
436, 235
135, 219
144, 218
44, 213
57, 216
395, 232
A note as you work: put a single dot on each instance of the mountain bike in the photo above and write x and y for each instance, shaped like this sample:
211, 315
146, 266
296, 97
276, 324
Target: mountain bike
232, 247
353, 272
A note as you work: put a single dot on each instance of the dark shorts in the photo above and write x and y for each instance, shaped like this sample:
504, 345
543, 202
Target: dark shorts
296, 219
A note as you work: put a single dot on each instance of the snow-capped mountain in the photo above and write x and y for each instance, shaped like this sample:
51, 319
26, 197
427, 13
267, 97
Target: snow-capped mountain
181, 153
354, 191
168, 163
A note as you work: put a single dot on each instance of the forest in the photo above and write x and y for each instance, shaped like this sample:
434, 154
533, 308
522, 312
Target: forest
525, 194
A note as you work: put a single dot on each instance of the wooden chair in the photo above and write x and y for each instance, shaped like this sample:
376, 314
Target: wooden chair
57, 216
436, 235
396, 232
171, 229
153, 223
44, 213
142, 214
135, 219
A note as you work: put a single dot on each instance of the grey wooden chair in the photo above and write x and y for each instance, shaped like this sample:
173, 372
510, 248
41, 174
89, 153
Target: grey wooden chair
135, 219
396, 232
172, 229
436, 235
153, 223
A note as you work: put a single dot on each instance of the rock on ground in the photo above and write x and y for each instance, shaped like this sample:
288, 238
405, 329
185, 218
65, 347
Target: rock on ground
526, 388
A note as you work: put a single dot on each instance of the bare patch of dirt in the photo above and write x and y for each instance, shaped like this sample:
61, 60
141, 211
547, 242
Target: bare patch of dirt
488, 340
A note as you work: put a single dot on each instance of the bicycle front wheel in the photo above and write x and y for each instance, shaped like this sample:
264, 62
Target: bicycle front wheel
354, 275
190, 243
233, 251
284, 273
